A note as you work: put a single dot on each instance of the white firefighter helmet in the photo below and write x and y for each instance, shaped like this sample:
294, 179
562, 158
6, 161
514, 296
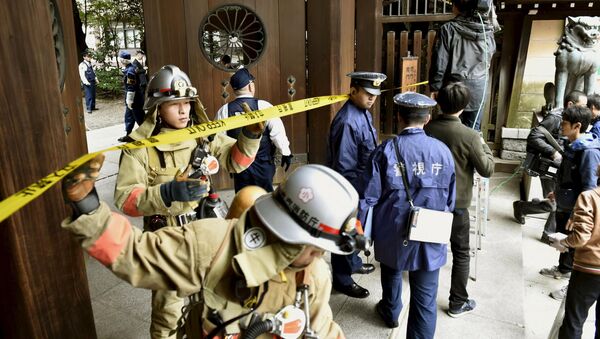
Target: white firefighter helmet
169, 83
314, 206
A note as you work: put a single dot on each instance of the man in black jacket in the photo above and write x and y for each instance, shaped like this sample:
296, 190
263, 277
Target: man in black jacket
538, 144
457, 56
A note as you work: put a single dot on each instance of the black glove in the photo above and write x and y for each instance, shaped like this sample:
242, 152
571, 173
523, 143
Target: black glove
78, 187
188, 190
286, 161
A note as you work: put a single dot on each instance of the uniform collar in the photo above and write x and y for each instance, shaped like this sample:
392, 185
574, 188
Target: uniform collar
244, 96
412, 130
176, 146
265, 263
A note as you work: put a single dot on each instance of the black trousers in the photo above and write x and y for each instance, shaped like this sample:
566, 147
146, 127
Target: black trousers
584, 290
565, 260
459, 244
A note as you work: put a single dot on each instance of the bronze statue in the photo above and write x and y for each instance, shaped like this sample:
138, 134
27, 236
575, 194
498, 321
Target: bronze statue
577, 58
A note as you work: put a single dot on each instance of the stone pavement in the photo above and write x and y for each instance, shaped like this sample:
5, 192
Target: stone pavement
512, 298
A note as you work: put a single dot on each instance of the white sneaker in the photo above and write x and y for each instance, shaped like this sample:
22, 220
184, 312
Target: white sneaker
561, 293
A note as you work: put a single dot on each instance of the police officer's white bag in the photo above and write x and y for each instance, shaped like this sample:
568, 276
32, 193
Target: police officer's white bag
424, 225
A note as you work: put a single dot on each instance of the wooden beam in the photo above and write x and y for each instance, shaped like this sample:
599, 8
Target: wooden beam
515, 93
415, 18
390, 59
44, 284
510, 45
369, 43
330, 29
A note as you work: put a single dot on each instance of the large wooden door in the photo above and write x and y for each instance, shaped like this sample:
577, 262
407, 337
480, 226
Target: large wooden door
45, 291
172, 34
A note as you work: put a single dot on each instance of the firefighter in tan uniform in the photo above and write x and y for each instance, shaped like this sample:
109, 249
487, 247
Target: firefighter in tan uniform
147, 185
259, 275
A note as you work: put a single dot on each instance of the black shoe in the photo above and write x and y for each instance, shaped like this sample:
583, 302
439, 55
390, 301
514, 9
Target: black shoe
518, 213
365, 269
353, 290
388, 323
126, 138
89, 112
95, 109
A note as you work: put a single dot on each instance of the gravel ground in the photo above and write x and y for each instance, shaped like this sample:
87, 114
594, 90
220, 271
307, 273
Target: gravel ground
110, 112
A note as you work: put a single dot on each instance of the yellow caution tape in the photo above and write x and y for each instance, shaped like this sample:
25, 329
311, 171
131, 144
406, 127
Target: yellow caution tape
13, 203
407, 86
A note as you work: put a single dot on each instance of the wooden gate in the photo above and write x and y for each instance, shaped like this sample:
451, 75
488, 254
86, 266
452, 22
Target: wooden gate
397, 27
407, 58
174, 34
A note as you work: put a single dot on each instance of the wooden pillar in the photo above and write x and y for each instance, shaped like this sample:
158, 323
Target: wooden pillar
330, 29
44, 287
369, 40
165, 38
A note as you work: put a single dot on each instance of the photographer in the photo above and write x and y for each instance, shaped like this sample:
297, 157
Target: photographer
537, 143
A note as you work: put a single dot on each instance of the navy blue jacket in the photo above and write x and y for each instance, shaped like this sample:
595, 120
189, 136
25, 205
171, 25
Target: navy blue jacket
577, 171
352, 139
596, 128
431, 180
130, 79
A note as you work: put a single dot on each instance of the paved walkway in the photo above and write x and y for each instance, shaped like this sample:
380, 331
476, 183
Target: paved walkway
512, 298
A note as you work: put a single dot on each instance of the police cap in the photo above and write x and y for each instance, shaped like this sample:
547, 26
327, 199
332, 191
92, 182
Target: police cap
125, 55
241, 79
369, 81
411, 102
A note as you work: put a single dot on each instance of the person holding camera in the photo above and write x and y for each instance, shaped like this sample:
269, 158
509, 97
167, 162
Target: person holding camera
154, 182
416, 163
259, 276
538, 143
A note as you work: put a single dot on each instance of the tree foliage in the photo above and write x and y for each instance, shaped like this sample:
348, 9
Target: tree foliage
104, 16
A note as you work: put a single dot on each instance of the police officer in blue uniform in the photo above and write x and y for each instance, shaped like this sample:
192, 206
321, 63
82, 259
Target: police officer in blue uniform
88, 80
134, 96
261, 171
431, 180
352, 138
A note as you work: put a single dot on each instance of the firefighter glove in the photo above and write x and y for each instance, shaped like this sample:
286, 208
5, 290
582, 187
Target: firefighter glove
78, 187
184, 188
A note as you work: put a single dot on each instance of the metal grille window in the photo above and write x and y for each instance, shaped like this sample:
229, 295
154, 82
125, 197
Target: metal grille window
231, 36
416, 7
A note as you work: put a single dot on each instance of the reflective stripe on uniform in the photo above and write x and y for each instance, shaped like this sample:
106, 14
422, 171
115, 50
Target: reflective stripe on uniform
108, 246
239, 157
130, 206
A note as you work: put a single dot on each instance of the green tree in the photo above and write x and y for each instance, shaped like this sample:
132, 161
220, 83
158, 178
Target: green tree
105, 16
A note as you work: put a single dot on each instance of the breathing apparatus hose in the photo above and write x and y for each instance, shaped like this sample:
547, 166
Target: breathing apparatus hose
258, 328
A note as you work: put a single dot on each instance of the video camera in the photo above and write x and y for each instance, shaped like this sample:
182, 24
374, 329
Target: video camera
536, 165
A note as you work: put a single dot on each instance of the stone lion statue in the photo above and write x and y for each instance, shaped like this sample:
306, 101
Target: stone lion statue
577, 57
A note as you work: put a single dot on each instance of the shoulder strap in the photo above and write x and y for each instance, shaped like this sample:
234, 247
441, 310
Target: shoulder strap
156, 158
402, 168
550, 138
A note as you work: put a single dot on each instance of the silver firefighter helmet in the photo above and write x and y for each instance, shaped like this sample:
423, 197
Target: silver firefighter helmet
169, 83
314, 206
